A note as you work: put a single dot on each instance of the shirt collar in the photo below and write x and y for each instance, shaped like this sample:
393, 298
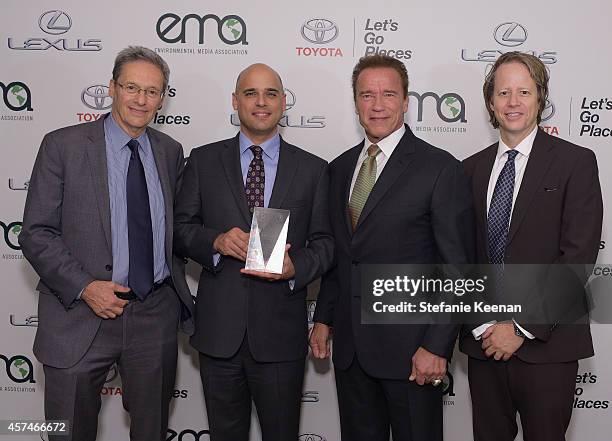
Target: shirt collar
387, 144
119, 139
524, 147
271, 147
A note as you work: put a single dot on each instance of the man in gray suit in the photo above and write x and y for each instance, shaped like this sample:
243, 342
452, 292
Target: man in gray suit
97, 229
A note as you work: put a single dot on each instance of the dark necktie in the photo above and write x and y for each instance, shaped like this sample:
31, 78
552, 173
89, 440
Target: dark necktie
140, 231
498, 220
255, 180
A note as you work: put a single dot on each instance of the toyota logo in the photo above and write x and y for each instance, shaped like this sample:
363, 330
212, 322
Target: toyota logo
510, 34
290, 99
549, 110
95, 97
55, 22
319, 30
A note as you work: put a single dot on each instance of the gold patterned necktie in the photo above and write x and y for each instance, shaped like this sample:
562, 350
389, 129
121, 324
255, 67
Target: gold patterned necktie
363, 185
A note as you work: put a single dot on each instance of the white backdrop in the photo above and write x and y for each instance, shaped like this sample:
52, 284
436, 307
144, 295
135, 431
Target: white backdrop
56, 61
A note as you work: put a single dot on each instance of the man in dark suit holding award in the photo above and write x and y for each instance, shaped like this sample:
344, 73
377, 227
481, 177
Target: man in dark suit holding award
537, 201
97, 229
251, 327
394, 199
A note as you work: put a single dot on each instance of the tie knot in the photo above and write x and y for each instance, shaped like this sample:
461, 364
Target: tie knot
133, 144
373, 151
257, 151
512, 155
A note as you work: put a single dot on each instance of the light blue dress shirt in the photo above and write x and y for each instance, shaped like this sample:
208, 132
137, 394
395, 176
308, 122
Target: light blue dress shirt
118, 158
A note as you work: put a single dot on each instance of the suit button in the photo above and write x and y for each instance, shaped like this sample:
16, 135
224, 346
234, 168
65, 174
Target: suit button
108, 267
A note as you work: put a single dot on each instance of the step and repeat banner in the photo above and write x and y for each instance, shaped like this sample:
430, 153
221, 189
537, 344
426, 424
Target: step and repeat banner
56, 61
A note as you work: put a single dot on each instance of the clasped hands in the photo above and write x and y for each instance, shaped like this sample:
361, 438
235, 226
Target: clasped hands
500, 341
235, 243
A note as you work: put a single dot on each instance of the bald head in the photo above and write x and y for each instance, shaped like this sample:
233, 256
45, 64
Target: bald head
260, 102
258, 69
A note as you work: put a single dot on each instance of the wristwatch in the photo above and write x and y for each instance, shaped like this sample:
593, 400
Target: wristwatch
518, 331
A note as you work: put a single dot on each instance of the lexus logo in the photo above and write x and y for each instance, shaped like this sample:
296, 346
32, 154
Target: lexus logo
319, 30
510, 34
55, 22
549, 110
290, 99
311, 437
96, 97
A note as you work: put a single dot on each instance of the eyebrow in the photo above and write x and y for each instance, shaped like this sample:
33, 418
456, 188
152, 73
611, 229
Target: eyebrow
252, 89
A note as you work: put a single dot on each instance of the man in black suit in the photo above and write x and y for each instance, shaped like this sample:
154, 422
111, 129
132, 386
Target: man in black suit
251, 327
394, 199
537, 201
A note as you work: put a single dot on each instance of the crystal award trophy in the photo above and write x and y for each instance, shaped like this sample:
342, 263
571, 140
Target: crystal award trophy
267, 240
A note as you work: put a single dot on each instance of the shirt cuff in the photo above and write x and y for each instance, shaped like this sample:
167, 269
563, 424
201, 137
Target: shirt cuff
477, 332
528, 334
216, 259
291, 284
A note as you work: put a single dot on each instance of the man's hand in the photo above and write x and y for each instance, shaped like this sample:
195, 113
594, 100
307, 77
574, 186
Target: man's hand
288, 270
427, 367
500, 341
319, 340
234, 243
101, 298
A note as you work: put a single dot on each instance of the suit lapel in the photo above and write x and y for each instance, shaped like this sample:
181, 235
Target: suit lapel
347, 179
395, 166
161, 163
285, 172
96, 156
540, 159
230, 158
482, 175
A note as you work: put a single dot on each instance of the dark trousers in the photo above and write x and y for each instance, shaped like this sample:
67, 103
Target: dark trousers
542, 394
372, 407
231, 383
143, 344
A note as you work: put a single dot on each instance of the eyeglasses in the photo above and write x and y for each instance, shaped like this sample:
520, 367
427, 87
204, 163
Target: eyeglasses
133, 89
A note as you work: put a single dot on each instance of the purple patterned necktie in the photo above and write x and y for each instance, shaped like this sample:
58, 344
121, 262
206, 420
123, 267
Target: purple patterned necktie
255, 180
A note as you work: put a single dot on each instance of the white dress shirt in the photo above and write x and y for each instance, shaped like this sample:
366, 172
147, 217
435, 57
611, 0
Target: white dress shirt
387, 146
520, 164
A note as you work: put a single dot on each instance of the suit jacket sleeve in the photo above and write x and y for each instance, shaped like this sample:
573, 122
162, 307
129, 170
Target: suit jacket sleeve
41, 235
316, 257
581, 224
453, 228
191, 238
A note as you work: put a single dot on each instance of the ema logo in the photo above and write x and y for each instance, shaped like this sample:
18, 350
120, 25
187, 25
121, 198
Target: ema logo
16, 96
19, 368
510, 34
231, 29
319, 31
56, 22
450, 107
188, 435
11, 233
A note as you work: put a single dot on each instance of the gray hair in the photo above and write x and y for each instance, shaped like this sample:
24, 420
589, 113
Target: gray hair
140, 53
